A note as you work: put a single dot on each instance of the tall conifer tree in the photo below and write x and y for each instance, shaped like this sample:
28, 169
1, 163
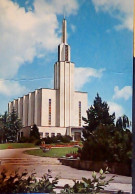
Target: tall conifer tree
97, 114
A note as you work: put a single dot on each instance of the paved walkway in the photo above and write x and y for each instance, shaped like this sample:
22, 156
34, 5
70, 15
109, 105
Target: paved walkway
12, 159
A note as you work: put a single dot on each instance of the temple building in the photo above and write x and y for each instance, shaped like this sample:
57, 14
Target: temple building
55, 111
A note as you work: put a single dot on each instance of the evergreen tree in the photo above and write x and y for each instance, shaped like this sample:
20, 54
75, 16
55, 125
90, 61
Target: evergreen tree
108, 144
34, 134
103, 140
14, 124
3, 127
123, 122
96, 115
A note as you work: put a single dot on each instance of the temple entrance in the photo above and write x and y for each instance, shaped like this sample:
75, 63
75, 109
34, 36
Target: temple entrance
77, 136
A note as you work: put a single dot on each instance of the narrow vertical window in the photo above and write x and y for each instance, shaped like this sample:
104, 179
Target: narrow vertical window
49, 111
66, 52
79, 113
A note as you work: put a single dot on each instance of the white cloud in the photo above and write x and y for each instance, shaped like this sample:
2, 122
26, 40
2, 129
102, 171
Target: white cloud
125, 92
83, 75
120, 9
11, 88
73, 28
114, 107
24, 35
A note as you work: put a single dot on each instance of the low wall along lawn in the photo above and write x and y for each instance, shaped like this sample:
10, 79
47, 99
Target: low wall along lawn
114, 168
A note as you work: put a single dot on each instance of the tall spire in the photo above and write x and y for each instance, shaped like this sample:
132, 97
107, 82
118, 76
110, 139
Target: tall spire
64, 48
64, 31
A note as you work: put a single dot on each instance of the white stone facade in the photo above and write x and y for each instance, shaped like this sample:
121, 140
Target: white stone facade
55, 111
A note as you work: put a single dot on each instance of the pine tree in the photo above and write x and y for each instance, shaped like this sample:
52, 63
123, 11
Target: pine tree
96, 115
14, 124
34, 132
103, 140
3, 127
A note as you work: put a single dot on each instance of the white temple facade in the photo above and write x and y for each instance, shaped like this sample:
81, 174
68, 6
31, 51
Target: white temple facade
55, 111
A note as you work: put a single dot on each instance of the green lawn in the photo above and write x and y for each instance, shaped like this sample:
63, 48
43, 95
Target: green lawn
16, 145
53, 152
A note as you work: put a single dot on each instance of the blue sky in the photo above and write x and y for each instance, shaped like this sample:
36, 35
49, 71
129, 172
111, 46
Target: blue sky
99, 33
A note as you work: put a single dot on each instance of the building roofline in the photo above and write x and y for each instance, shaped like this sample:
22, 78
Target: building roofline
44, 89
33, 92
81, 92
48, 88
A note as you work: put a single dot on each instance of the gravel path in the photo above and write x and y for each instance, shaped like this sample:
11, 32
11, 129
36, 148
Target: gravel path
12, 159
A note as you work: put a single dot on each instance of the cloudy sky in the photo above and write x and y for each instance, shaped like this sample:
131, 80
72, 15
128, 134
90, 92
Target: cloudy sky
99, 33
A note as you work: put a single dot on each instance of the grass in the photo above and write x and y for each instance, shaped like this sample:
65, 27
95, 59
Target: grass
53, 153
16, 145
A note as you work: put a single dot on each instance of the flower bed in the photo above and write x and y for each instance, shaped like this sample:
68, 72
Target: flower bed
73, 155
62, 145
9, 147
71, 144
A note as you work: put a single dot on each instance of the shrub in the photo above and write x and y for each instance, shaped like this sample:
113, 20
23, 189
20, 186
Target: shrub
32, 139
56, 139
48, 140
108, 143
24, 140
23, 183
93, 185
37, 142
65, 139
